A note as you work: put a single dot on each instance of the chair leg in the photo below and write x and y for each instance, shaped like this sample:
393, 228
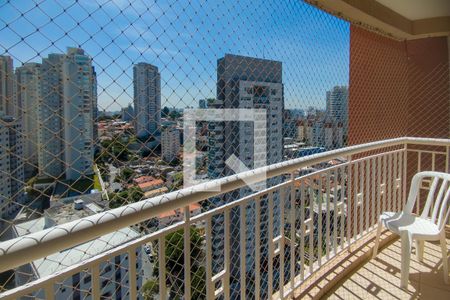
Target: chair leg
406, 257
377, 240
444, 258
419, 250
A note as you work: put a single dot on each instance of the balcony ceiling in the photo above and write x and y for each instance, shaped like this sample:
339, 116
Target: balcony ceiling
418, 9
402, 19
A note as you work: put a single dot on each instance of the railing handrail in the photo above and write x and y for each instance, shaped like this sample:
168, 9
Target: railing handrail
24, 249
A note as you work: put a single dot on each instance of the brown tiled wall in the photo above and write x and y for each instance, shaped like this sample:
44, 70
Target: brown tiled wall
428, 88
397, 88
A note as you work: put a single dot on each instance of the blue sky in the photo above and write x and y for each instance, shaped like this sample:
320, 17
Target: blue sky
184, 39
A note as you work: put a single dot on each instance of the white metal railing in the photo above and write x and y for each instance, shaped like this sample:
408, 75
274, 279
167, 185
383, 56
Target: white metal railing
297, 225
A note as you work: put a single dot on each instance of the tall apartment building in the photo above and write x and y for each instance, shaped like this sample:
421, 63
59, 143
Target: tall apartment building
147, 100
66, 115
28, 97
202, 103
323, 131
6, 86
127, 113
337, 105
301, 130
78, 106
94, 107
170, 143
11, 167
245, 82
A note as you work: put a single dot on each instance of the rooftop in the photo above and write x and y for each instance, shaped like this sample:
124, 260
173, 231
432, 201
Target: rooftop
150, 184
62, 214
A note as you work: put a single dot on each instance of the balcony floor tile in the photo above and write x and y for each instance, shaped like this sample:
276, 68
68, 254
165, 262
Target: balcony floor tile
380, 278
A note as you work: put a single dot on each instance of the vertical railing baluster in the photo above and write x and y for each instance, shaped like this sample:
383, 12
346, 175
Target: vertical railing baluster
50, 291
447, 170
355, 202
302, 230
227, 253
187, 253
399, 181
210, 287
373, 189
335, 210
349, 181
132, 273
419, 167
95, 277
242, 254
361, 199
343, 212
367, 195
257, 248
271, 247
379, 181
282, 241
293, 228
394, 184
162, 267
319, 227
327, 214
389, 180
384, 202
311, 228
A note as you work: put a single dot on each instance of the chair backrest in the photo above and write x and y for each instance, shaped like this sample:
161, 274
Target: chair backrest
439, 203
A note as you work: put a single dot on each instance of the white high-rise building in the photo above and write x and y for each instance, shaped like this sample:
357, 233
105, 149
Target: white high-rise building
147, 100
28, 94
170, 143
337, 105
11, 167
66, 115
79, 101
50, 115
6, 86
245, 82
328, 135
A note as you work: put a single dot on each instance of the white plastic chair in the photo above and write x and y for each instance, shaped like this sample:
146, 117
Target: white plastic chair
426, 227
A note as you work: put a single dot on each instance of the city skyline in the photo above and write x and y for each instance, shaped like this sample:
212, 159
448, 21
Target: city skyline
179, 55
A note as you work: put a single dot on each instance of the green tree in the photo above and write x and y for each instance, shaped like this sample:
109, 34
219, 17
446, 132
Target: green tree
165, 112
131, 195
175, 263
125, 176
150, 289
177, 181
113, 150
174, 114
